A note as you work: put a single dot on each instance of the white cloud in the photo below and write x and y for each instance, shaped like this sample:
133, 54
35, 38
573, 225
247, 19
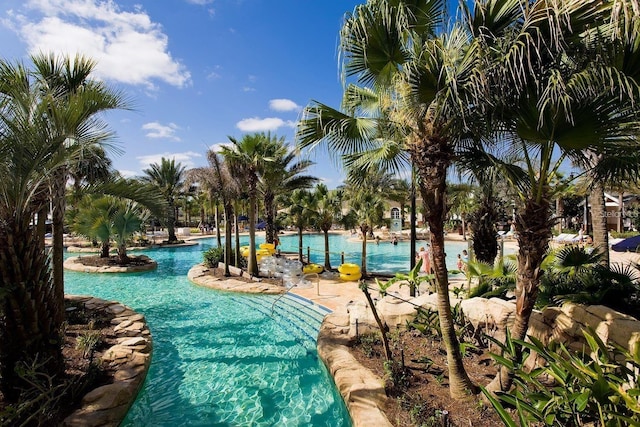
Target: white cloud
157, 130
283, 105
200, 2
256, 124
186, 158
127, 45
248, 89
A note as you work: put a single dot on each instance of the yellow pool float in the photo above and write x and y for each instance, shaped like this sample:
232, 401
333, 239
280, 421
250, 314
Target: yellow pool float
349, 272
312, 268
269, 247
262, 253
244, 251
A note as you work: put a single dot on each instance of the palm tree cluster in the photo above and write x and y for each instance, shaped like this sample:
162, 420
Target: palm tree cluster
259, 166
515, 87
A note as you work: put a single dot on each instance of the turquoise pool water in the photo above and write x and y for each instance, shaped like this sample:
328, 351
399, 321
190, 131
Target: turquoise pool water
381, 258
219, 359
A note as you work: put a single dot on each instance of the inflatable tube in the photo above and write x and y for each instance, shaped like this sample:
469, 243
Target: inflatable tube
312, 268
269, 246
350, 277
262, 253
348, 268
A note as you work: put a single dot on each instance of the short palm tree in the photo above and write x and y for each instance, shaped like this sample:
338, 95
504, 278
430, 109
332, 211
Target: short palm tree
301, 213
369, 211
168, 178
327, 208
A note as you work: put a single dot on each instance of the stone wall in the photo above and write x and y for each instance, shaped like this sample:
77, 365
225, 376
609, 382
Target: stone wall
564, 324
129, 358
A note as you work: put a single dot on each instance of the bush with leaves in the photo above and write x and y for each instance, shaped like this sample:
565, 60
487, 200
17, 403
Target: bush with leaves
574, 274
596, 387
213, 256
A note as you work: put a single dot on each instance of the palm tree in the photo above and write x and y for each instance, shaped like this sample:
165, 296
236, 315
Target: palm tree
420, 82
281, 176
168, 178
369, 210
301, 213
248, 157
461, 202
49, 116
217, 181
74, 104
555, 100
327, 207
93, 220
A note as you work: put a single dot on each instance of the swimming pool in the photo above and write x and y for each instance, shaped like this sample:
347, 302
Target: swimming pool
220, 359
381, 258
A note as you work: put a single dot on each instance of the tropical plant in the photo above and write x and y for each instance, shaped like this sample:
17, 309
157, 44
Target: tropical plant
301, 213
596, 386
413, 279
279, 176
248, 158
327, 208
565, 103
213, 256
48, 116
419, 84
168, 177
369, 210
217, 180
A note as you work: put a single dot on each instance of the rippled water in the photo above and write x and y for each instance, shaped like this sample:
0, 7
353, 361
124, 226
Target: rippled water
219, 359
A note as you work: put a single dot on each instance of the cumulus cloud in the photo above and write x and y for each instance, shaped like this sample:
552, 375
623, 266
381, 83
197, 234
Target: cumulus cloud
256, 124
157, 130
283, 105
186, 159
128, 46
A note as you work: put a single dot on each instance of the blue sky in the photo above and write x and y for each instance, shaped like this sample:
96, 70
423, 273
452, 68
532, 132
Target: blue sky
197, 71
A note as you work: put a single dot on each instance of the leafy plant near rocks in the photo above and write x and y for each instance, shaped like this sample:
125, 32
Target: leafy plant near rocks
573, 274
213, 256
596, 387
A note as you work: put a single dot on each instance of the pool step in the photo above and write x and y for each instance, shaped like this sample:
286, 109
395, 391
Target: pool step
303, 316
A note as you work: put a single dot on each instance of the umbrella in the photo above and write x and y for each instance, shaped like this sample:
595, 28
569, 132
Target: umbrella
629, 244
261, 225
243, 218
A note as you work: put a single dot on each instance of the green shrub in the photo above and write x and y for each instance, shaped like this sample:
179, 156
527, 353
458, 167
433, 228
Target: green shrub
596, 387
623, 235
213, 256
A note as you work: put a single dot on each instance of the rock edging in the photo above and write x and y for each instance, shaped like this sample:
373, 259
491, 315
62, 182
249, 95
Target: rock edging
130, 359
362, 391
75, 264
197, 274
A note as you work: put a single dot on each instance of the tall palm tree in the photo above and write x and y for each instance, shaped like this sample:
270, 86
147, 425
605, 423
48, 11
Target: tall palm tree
248, 157
48, 116
216, 179
461, 202
168, 177
74, 104
422, 80
281, 175
557, 98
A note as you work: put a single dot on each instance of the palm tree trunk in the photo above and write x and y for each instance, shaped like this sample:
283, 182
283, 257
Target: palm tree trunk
122, 254
300, 244
217, 221
59, 204
252, 267
237, 238
269, 227
327, 258
171, 222
30, 308
599, 222
104, 250
364, 229
533, 227
559, 213
620, 213
431, 159
227, 237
